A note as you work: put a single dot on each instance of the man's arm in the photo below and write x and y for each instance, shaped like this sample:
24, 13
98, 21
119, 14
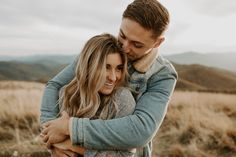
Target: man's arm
49, 106
130, 131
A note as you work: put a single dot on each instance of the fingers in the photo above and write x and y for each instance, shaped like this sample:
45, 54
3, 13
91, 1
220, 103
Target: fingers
58, 153
45, 131
46, 125
41, 135
70, 153
48, 144
45, 138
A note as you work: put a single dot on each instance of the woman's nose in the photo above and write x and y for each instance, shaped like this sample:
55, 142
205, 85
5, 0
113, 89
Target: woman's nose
112, 76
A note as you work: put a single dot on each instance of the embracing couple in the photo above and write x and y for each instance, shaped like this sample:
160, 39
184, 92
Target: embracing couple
111, 101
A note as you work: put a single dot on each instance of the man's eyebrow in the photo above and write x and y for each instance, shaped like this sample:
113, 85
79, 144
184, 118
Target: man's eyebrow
133, 41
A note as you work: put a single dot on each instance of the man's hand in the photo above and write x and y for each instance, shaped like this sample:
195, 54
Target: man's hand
56, 131
56, 152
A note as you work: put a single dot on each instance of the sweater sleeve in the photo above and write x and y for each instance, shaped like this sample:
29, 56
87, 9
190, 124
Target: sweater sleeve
125, 102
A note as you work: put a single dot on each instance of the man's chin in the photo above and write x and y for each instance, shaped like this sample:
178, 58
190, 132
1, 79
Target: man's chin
131, 58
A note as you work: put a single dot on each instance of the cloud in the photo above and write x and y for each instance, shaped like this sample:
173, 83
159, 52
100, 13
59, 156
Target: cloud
62, 26
212, 7
198, 26
30, 26
68, 13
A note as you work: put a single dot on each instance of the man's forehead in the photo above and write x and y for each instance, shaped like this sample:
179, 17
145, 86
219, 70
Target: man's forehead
134, 32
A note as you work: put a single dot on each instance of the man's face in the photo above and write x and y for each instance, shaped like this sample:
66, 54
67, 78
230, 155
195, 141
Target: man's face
136, 41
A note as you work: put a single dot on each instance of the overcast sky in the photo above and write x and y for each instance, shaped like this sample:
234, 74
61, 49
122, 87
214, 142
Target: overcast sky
62, 26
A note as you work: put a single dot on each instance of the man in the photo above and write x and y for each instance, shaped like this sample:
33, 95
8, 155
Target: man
151, 77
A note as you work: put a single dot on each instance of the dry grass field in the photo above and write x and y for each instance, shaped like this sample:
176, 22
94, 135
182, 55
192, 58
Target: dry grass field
196, 125
19, 122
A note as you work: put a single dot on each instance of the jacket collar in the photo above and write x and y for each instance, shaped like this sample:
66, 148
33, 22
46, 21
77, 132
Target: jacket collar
143, 64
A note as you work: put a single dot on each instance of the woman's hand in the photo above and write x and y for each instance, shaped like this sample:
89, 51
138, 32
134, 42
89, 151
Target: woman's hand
62, 153
67, 145
56, 131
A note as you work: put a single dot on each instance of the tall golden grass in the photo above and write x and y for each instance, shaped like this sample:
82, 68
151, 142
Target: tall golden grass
19, 122
196, 124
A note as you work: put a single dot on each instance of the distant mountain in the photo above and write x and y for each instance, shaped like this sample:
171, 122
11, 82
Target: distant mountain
42, 59
28, 71
219, 60
191, 77
203, 78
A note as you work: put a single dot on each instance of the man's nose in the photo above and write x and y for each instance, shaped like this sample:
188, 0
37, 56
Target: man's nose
126, 46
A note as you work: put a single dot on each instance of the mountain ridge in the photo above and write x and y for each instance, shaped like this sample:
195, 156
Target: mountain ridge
193, 77
225, 61
39, 72
202, 78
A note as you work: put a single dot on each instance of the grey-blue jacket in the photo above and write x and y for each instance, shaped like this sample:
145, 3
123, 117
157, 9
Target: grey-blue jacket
152, 87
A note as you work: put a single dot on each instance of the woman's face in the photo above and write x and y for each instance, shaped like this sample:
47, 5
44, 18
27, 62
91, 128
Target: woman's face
114, 70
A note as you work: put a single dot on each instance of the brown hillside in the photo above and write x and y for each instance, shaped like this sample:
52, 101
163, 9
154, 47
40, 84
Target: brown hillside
184, 84
198, 77
191, 77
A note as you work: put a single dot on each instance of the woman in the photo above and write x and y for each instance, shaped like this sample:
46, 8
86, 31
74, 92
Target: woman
97, 90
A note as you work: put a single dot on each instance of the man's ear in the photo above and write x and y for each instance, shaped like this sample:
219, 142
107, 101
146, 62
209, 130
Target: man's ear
159, 41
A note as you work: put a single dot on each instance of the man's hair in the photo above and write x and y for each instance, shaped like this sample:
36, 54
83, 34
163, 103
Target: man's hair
150, 14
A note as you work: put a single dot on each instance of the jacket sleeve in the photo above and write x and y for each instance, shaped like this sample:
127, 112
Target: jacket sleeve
134, 130
49, 105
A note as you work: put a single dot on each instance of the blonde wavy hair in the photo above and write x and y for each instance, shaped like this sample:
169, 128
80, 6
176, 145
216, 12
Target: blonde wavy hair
81, 97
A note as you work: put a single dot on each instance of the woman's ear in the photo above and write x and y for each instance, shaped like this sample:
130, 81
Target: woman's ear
159, 41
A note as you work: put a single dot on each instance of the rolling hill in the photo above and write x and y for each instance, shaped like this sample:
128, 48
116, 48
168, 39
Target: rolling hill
219, 60
41, 59
191, 77
203, 78
28, 71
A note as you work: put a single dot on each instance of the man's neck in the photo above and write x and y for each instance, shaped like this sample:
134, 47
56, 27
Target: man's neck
145, 62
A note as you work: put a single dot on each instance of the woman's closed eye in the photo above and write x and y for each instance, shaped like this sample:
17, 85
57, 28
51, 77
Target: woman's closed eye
120, 68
